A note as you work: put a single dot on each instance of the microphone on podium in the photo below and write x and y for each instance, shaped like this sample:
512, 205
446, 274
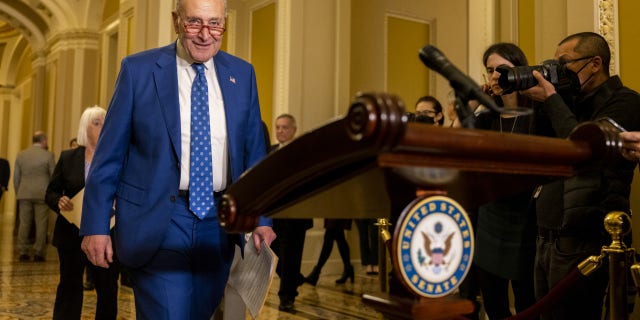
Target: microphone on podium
466, 89
463, 84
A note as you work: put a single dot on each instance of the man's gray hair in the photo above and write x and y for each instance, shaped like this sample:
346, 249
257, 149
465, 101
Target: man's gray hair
288, 116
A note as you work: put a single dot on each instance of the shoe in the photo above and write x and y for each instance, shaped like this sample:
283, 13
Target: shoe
24, 258
88, 285
347, 274
312, 278
372, 270
286, 304
38, 258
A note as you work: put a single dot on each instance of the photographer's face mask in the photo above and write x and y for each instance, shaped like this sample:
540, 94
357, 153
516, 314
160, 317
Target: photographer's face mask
573, 85
569, 83
425, 119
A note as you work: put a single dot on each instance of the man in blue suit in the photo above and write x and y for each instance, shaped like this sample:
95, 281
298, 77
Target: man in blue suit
178, 256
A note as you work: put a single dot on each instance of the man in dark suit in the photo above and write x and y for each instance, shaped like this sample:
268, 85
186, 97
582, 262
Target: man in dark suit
147, 161
291, 232
31, 174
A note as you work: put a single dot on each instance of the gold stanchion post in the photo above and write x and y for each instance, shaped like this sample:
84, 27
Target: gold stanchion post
617, 225
384, 238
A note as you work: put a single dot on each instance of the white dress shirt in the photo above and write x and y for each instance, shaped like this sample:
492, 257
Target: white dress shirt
219, 156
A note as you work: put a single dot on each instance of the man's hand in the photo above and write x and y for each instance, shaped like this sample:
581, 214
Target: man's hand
262, 233
98, 250
542, 91
631, 145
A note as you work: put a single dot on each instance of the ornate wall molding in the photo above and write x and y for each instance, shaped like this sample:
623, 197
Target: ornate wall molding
74, 40
38, 59
282, 68
607, 24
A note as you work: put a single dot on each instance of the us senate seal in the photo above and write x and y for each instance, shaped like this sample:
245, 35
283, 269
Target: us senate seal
433, 246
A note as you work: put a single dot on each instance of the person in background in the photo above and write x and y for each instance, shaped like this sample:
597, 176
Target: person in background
450, 111
429, 110
368, 237
88, 283
291, 232
505, 228
5, 171
334, 231
67, 180
570, 211
32, 171
183, 123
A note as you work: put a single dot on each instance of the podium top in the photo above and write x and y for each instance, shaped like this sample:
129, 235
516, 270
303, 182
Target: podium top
342, 169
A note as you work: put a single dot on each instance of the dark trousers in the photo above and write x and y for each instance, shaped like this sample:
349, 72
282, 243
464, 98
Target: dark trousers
289, 246
556, 258
69, 295
368, 236
337, 235
495, 294
186, 277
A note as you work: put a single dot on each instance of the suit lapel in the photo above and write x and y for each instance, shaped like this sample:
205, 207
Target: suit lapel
166, 81
227, 82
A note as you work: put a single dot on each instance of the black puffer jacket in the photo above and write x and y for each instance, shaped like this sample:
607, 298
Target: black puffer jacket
577, 205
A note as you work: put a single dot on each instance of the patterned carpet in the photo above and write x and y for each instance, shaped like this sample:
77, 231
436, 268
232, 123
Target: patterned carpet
27, 291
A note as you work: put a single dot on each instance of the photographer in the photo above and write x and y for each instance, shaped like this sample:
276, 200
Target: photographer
428, 110
505, 227
570, 211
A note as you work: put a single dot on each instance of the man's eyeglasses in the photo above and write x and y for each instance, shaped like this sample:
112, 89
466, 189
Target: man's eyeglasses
565, 62
195, 26
429, 113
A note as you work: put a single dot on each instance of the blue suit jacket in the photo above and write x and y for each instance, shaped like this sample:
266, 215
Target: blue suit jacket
137, 160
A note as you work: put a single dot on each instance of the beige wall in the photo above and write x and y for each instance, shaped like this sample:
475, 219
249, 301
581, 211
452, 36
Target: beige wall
262, 55
630, 74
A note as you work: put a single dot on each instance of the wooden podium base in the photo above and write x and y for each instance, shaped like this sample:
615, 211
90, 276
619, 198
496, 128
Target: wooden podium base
404, 308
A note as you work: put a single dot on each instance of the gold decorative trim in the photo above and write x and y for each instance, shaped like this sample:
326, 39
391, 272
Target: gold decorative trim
282, 68
607, 23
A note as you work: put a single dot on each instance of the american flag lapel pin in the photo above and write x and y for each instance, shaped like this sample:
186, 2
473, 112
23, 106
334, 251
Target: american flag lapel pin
232, 79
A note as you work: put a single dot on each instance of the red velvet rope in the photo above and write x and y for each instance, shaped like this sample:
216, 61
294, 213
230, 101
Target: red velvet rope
569, 282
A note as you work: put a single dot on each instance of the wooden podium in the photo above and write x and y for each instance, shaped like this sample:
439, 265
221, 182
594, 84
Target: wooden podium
369, 164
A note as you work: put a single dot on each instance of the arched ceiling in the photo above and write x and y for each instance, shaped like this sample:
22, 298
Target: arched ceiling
7, 30
28, 17
34, 22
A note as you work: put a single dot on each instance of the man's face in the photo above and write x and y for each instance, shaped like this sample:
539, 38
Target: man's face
576, 62
284, 130
200, 44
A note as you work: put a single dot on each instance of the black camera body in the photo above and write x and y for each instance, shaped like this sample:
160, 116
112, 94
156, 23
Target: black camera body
521, 78
412, 117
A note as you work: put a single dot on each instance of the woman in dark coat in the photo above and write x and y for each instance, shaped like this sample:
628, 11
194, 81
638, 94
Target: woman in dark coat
66, 182
506, 228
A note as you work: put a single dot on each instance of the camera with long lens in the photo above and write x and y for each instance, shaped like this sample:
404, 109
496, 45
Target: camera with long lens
412, 117
521, 77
